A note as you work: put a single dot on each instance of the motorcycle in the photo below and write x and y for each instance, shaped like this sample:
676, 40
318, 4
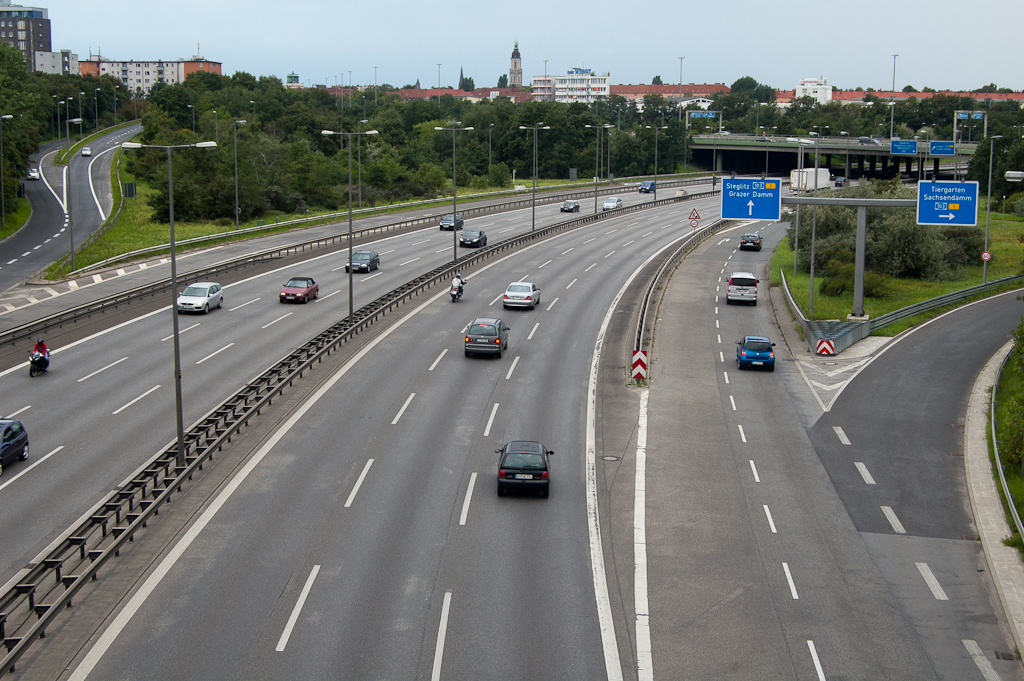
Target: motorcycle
38, 363
455, 293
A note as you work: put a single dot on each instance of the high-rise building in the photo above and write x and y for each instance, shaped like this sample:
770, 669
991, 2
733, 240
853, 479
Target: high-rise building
27, 28
140, 76
515, 73
64, 63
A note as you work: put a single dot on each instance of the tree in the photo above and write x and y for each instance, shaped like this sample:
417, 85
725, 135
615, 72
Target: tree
502, 80
657, 81
466, 84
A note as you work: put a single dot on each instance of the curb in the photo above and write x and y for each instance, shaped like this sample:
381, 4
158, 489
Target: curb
1003, 561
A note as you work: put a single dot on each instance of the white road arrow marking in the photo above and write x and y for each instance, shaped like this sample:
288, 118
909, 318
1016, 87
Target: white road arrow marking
750, 207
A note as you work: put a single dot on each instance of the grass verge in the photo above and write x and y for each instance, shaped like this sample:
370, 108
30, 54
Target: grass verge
1010, 386
16, 219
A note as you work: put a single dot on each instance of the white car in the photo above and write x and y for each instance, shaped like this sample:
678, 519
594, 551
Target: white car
521, 294
86, 151
33, 173
200, 297
611, 203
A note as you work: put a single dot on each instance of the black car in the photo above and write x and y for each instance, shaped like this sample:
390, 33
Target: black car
486, 335
13, 442
751, 241
450, 222
570, 207
524, 465
840, 181
473, 237
364, 261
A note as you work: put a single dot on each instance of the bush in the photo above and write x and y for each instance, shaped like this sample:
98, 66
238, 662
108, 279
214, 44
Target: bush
964, 245
839, 279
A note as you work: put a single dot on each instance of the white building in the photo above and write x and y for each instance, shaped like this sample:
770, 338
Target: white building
817, 89
64, 63
140, 76
577, 85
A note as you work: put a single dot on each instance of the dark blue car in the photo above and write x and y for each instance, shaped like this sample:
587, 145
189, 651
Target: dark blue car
13, 442
755, 351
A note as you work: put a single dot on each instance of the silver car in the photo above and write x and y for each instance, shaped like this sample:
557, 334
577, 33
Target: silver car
521, 294
611, 203
200, 297
742, 288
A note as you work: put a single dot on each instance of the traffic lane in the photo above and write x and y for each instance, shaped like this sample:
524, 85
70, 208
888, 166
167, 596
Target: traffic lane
908, 433
33, 246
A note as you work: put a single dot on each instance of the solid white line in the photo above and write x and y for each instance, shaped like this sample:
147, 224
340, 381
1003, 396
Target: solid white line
591, 267
512, 368
359, 483
753, 469
726, 374
610, 254
23, 409
897, 526
864, 472
566, 251
442, 629
495, 300
533, 331
547, 263
732, 401
984, 666
402, 410
548, 308
10, 480
817, 662
589, 240
236, 307
932, 583
789, 578
180, 331
771, 521
641, 605
136, 400
407, 262
83, 378
214, 354
277, 320
293, 618
743, 436
469, 496
571, 283
494, 410
842, 436
443, 353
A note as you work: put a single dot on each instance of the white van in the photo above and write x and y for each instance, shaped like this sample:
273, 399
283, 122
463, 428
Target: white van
742, 288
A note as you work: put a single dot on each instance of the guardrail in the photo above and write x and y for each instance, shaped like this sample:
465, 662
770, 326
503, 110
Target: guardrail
48, 586
884, 320
57, 320
995, 446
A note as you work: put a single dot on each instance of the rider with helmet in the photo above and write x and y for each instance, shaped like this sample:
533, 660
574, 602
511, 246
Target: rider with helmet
458, 282
41, 348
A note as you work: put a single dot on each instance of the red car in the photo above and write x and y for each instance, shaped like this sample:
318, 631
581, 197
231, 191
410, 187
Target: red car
299, 289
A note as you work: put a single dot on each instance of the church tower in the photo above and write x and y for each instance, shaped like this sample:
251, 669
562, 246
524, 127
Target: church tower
515, 74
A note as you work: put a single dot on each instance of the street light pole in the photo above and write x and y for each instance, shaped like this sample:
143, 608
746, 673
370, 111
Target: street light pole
349, 198
96, 109
253, 102
655, 129
179, 419
490, 130
359, 157
892, 104
455, 128
193, 118
67, 189
988, 207
439, 88
681, 96
533, 202
235, 148
3, 194
116, 88
375, 87
597, 159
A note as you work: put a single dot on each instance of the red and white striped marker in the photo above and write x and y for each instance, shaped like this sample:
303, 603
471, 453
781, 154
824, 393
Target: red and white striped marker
639, 365
826, 347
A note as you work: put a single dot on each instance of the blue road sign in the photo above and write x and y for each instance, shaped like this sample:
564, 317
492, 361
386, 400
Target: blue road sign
703, 114
751, 199
941, 148
903, 147
947, 203
977, 115
962, 115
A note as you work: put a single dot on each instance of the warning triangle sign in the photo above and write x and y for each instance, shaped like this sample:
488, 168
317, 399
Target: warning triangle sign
694, 215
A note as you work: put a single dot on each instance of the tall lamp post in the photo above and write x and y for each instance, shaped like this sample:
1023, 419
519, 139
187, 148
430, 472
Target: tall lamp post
533, 202
180, 456
681, 94
988, 207
655, 128
3, 194
81, 96
490, 130
253, 102
59, 103
375, 87
67, 181
814, 211
454, 128
116, 88
597, 158
350, 269
844, 133
193, 118
359, 156
892, 103
216, 129
96, 109
235, 146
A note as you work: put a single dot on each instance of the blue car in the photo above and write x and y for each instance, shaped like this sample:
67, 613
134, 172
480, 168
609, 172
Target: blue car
755, 351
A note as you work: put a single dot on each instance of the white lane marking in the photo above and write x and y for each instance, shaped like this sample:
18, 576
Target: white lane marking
332, 293
214, 354
932, 583
610, 254
26, 253
533, 331
180, 331
402, 410
23, 409
984, 666
417, 243
721, 271
842, 436
294, 617
627, 243
721, 356
817, 662
548, 308
386, 252
641, 604
716, 309
443, 353
719, 339
726, 264
589, 240
566, 251
442, 630
570, 284
10, 480
743, 436
496, 299
726, 374
289, 314
136, 400
85, 378
236, 307
864, 472
407, 262
547, 263
771, 521
469, 496
512, 368
614, 230
507, 229
897, 526
359, 483
442, 250
732, 401
753, 469
591, 267
633, 224
716, 324
789, 578
648, 234
490, 420
370, 277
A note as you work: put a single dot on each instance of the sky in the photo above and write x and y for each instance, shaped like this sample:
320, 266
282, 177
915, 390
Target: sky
941, 44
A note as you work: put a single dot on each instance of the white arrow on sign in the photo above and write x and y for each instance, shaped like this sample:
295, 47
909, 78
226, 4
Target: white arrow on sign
750, 208
947, 215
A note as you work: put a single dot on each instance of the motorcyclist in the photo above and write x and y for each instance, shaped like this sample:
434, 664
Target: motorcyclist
458, 282
41, 348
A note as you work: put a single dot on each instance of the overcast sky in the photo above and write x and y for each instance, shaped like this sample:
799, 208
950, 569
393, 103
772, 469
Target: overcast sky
941, 44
